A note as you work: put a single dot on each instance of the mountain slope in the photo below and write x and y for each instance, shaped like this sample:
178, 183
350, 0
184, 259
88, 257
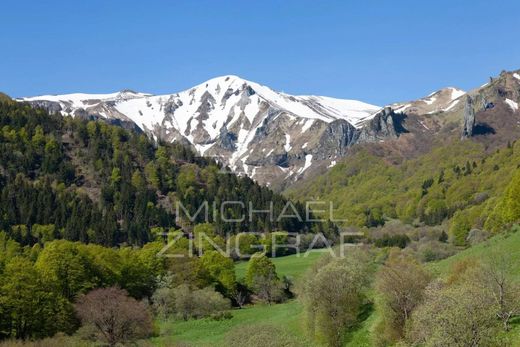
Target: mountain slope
450, 166
441, 100
270, 136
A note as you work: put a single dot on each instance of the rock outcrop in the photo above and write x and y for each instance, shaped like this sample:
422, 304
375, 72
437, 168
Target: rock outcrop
384, 125
469, 118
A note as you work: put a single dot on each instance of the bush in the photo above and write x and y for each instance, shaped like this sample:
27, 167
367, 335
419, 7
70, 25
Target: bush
460, 315
434, 250
185, 302
399, 240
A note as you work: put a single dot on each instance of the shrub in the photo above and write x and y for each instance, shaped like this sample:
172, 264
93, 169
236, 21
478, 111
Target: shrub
185, 302
399, 240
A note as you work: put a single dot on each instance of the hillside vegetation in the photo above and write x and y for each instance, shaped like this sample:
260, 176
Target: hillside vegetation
93, 182
457, 182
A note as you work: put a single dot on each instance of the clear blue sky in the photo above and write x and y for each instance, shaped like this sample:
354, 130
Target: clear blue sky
375, 51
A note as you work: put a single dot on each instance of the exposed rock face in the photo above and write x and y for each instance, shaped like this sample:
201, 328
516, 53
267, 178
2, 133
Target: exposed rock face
384, 125
227, 140
338, 136
51, 106
469, 118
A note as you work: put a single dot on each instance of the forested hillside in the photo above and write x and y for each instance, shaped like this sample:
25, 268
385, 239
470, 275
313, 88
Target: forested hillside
94, 182
458, 181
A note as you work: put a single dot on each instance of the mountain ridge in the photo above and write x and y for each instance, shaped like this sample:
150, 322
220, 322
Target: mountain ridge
224, 118
278, 139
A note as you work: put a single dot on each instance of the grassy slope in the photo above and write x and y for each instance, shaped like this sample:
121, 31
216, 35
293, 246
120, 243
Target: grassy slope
293, 266
207, 332
506, 244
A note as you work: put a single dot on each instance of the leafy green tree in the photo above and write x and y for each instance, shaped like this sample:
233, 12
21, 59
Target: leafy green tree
115, 177
245, 243
52, 156
279, 238
138, 180
262, 279
435, 212
137, 278
259, 265
459, 228
220, 269
511, 200
62, 264
206, 239
44, 233
29, 309
8, 249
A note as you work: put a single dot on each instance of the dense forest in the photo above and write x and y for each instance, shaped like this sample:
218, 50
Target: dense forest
90, 181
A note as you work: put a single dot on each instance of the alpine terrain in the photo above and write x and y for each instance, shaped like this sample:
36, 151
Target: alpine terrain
271, 136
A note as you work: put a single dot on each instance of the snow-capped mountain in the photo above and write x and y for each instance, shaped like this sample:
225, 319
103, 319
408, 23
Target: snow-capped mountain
277, 138
271, 136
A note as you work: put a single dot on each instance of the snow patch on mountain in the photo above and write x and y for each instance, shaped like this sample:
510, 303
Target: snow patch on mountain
440, 101
452, 105
512, 104
308, 163
287, 145
456, 93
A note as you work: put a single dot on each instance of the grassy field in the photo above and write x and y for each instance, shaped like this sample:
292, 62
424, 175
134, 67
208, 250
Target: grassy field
208, 332
293, 266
